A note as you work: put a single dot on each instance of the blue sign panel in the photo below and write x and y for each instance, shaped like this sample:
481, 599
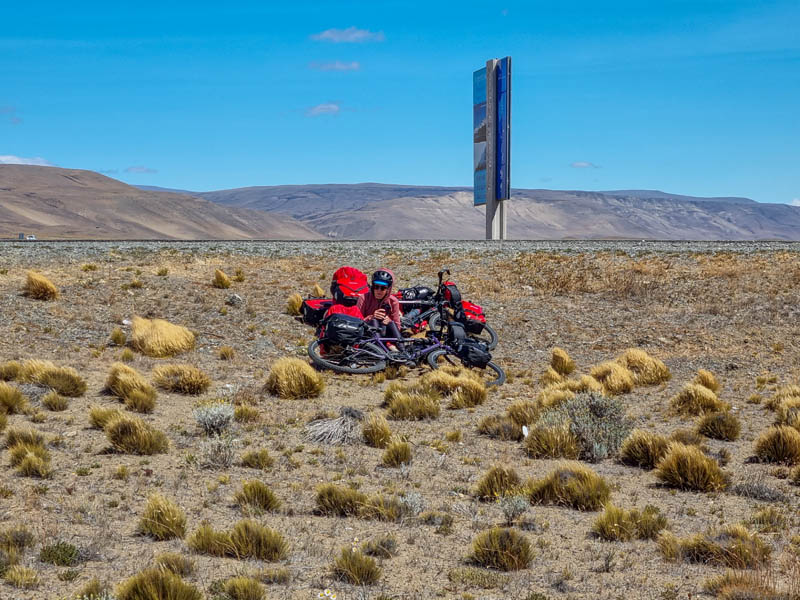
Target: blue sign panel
503, 145
479, 135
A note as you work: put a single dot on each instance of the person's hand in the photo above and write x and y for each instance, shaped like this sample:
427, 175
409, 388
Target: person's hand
380, 314
386, 320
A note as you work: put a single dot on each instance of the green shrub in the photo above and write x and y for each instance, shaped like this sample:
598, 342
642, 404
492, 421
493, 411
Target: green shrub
60, 554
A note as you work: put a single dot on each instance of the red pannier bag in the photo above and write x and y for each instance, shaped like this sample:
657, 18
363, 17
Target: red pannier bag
314, 309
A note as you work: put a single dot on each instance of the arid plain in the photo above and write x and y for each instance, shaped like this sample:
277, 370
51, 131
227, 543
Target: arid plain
733, 313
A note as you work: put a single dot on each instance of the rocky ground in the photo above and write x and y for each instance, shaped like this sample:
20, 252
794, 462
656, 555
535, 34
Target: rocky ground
730, 308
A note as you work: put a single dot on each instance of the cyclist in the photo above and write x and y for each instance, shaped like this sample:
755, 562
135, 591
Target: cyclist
379, 307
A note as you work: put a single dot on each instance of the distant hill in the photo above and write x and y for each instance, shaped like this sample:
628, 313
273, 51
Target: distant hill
56, 203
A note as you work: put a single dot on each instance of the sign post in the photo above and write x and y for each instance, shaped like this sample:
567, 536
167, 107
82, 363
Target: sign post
491, 120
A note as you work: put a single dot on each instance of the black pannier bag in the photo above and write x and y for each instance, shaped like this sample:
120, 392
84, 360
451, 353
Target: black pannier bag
314, 309
471, 352
418, 292
343, 330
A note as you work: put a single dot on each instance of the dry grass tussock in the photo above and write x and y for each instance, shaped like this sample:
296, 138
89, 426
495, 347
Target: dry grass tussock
733, 546
463, 390
157, 583
242, 587
257, 459
131, 435
561, 362
174, 563
55, 402
550, 377
646, 369
409, 403
247, 539
501, 548
782, 394
788, 412
376, 431
294, 378
555, 394
643, 449
496, 483
615, 378
553, 441
501, 427
182, 379
397, 453
573, 485
707, 379
780, 444
356, 568
756, 584
293, 304
720, 426
221, 280
100, 416
159, 338
339, 501
12, 401
127, 384
39, 287
29, 457
257, 495
695, 399
64, 380
9, 370
618, 524
21, 577
687, 468
162, 519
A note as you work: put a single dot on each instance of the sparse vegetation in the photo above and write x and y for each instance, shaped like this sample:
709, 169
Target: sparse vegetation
779, 444
617, 524
696, 399
226, 353
131, 435
376, 431
162, 519
732, 546
221, 280
720, 426
157, 583
643, 449
355, 567
497, 482
687, 468
294, 378
100, 416
55, 402
615, 378
39, 287
572, 484
159, 338
242, 587
397, 453
257, 495
501, 548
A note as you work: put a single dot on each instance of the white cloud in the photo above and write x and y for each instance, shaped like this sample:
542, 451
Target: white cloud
349, 35
326, 108
795, 202
336, 65
139, 169
582, 164
10, 159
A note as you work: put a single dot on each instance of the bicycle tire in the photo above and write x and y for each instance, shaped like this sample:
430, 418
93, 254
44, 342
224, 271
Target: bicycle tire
433, 363
336, 365
491, 343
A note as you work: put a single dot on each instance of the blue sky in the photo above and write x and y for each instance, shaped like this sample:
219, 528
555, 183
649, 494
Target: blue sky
695, 97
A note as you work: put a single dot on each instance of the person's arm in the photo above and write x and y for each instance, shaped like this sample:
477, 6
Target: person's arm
395, 314
360, 306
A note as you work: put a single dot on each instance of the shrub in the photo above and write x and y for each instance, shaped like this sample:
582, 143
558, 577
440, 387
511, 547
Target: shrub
561, 363
253, 540
381, 508
243, 588
572, 485
257, 459
15, 436
687, 468
9, 370
732, 546
514, 506
39, 287
12, 401
131, 435
769, 520
19, 451
246, 414
53, 401
343, 429
162, 519
60, 554
226, 353
31, 370
397, 453
754, 487
643, 449
334, 500
696, 399
497, 482
183, 379
412, 405
779, 444
174, 563
552, 442
157, 583
127, 384
127, 355
617, 524
293, 304
21, 577
616, 379
354, 567
64, 380
707, 380
500, 427
159, 338
382, 547
501, 548
720, 426
99, 417
215, 416
255, 494
646, 369
788, 413
221, 280
218, 451
205, 540
376, 431
33, 464
118, 336
294, 378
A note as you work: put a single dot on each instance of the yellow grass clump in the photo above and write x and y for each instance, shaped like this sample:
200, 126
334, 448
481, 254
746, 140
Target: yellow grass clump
618, 524
409, 403
552, 442
732, 546
720, 426
497, 482
561, 363
257, 495
99, 416
696, 399
339, 501
464, 391
643, 449
550, 377
30, 459
780, 444
788, 412
9, 370
783, 393
744, 585
355, 567
31, 370
3, 420
159, 338
52, 400
501, 548
247, 539
39, 287
154, 584
242, 587
558, 393
397, 453
687, 468
294, 378
707, 379
12, 401
118, 336
174, 563
162, 519
317, 291
131, 435
501, 427
64, 380
571, 484
221, 280
257, 459
616, 379
646, 369
16, 435
376, 431
183, 379
293, 304
127, 384
226, 353
21, 577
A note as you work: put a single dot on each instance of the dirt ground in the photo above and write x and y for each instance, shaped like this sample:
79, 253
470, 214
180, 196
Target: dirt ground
734, 313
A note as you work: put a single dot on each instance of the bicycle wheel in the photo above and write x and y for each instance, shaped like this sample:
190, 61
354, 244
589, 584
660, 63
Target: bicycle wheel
493, 374
487, 335
367, 358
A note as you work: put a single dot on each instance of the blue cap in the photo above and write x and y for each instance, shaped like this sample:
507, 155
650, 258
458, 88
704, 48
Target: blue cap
380, 282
